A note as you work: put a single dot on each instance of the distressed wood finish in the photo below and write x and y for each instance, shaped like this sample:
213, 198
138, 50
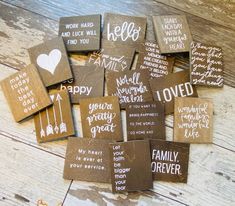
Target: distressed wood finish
211, 168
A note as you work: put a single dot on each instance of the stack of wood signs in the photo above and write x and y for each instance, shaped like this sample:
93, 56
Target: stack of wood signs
49, 87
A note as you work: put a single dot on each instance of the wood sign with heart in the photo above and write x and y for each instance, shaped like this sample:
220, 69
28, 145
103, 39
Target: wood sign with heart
81, 33
129, 86
206, 65
25, 93
193, 120
130, 166
88, 82
101, 118
150, 58
169, 161
145, 120
55, 122
112, 57
124, 29
166, 88
87, 160
51, 61
172, 33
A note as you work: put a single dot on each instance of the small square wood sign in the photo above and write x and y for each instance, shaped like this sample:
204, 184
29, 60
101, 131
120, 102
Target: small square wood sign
81, 33
130, 166
193, 120
129, 86
25, 93
151, 59
165, 88
145, 120
51, 61
172, 33
87, 160
206, 65
88, 82
169, 161
55, 122
112, 57
124, 29
101, 118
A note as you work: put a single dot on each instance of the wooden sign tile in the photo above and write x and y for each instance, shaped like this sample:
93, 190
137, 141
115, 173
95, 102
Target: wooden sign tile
206, 65
81, 33
25, 93
172, 33
145, 120
169, 161
124, 29
87, 160
51, 60
129, 86
112, 57
151, 59
165, 88
56, 121
130, 166
101, 118
88, 82
193, 120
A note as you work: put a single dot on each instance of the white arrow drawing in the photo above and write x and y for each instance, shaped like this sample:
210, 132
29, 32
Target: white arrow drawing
56, 128
42, 132
49, 128
63, 127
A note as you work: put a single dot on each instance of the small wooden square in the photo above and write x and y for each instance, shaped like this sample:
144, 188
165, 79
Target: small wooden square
145, 120
88, 82
25, 93
112, 57
206, 65
87, 160
169, 161
129, 86
130, 166
172, 33
165, 88
150, 58
81, 33
56, 121
101, 118
51, 61
124, 29
193, 120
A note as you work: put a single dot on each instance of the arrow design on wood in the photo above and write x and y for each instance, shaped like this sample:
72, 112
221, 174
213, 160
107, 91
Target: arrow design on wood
42, 132
49, 128
63, 127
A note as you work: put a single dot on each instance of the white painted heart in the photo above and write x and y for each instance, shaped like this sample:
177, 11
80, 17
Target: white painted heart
49, 62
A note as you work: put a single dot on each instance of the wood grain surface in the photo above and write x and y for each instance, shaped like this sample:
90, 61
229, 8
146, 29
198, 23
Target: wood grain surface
32, 173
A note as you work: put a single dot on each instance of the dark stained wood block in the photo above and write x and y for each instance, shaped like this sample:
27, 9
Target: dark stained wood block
51, 60
87, 160
81, 33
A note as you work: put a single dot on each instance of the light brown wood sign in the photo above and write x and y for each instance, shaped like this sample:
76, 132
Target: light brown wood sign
165, 88
87, 160
101, 118
51, 60
206, 65
130, 166
25, 93
169, 161
56, 121
193, 120
151, 59
172, 33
